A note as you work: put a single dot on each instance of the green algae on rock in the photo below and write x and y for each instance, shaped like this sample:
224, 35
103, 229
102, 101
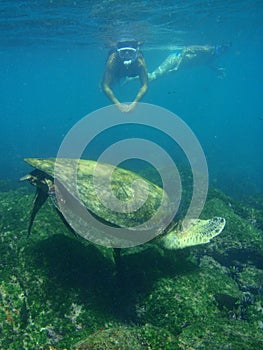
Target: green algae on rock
58, 290
129, 338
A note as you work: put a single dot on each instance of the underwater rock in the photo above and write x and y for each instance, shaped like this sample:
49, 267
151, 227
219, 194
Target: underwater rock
226, 301
176, 303
250, 280
240, 243
129, 338
57, 291
110, 339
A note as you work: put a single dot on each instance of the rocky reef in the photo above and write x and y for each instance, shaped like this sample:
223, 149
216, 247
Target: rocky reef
58, 291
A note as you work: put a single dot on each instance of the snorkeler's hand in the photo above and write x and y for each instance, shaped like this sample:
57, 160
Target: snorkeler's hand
123, 107
131, 106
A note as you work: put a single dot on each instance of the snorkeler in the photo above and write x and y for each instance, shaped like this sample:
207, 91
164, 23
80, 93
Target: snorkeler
189, 56
124, 61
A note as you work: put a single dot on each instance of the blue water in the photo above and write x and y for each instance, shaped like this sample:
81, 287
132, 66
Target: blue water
52, 60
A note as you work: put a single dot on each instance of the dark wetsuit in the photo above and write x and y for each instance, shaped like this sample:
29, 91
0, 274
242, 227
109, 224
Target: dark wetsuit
116, 70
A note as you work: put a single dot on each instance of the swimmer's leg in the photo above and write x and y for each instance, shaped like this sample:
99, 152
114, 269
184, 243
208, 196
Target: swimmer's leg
170, 64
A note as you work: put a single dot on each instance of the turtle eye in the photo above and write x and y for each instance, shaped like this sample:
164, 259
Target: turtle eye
31, 180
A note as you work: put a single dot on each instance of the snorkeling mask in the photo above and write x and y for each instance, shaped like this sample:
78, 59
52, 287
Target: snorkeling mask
127, 51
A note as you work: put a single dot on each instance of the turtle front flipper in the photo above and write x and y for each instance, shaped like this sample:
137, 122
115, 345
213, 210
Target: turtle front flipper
40, 198
37, 178
194, 232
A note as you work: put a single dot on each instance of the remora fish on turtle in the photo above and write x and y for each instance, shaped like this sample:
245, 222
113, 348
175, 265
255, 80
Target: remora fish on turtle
173, 236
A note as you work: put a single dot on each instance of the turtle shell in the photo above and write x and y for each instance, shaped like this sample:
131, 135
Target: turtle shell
115, 195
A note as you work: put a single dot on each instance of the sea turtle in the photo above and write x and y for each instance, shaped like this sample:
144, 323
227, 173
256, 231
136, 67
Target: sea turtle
56, 178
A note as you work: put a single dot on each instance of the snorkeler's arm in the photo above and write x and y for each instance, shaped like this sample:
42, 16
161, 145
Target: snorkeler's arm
143, 75
107, 80
144, 80
170, 64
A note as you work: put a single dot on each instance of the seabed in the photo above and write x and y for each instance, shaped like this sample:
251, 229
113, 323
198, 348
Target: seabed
58, 291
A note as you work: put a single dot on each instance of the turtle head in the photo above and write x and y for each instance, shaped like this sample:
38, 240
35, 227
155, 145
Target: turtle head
37, 178
192, 232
